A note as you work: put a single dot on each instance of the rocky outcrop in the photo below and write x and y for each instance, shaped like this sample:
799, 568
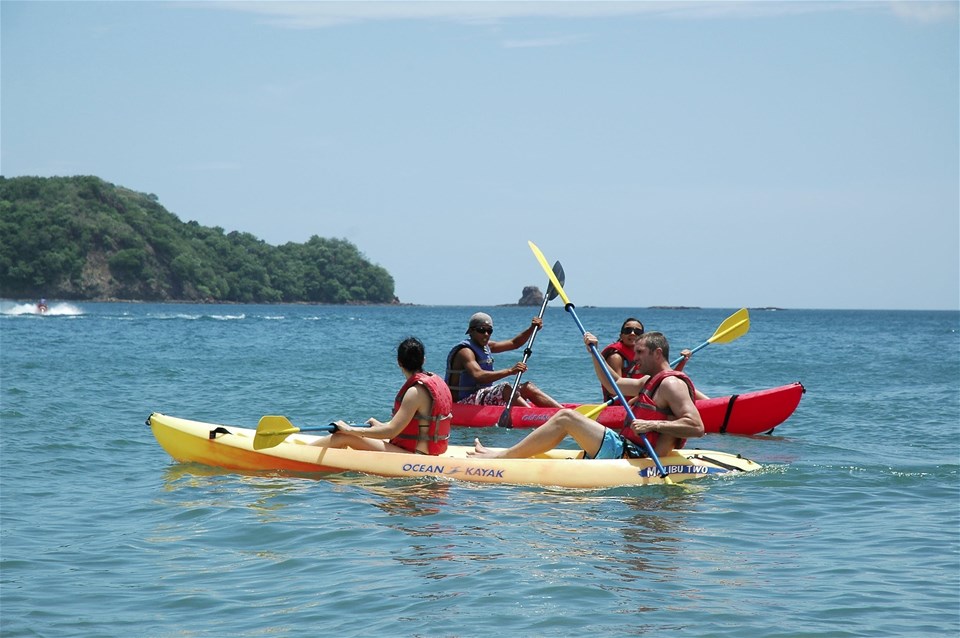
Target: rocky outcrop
531, 296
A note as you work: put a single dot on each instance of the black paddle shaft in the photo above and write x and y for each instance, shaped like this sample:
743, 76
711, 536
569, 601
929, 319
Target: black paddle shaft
552, 292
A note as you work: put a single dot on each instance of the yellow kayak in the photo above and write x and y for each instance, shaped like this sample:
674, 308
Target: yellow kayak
232, 448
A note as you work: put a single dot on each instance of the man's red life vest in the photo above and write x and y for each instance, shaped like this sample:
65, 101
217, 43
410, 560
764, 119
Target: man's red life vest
628, 369
645, 408
433, 428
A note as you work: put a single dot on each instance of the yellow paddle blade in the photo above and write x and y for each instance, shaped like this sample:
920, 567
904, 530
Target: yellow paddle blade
547, 269
591, 411
272, 430
593, 349
734, 327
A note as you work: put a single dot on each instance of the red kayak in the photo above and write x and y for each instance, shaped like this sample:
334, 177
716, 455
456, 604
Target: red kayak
748, 413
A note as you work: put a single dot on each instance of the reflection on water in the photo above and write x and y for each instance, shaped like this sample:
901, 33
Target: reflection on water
408, 498
406, 504
179, 475
655, 530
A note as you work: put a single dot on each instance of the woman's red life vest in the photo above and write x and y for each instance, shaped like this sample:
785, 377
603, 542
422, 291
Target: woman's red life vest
433, 428
645, 408
629, 367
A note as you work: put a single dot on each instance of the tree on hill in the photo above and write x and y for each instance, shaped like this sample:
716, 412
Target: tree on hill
84, 238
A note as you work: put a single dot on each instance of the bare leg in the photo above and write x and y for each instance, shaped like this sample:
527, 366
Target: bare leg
536, 396
324, 441
341, 440
517, 399
587, 433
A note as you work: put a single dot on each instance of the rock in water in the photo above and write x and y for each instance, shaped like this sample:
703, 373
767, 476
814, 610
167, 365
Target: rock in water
531, 296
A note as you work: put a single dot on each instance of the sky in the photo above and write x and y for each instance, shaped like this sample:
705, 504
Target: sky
786, 154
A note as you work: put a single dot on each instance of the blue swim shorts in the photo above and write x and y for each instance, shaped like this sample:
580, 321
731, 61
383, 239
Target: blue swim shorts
610, 448
615, 446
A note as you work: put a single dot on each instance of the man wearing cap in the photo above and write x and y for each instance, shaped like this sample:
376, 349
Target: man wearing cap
470, 372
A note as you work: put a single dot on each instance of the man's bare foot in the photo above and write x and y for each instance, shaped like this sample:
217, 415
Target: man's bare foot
482, 452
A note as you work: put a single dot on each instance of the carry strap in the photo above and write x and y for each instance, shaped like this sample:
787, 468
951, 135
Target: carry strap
726, 417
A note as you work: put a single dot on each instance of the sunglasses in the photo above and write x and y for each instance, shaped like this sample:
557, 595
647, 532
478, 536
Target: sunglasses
632, 331
484, 331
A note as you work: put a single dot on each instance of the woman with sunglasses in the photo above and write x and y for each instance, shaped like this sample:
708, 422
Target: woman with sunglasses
620, 355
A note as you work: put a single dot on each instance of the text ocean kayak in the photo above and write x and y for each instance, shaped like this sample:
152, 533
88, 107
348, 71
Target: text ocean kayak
745, 414
232, 448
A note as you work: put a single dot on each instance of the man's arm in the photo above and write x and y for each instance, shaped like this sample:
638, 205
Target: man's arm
519, 341
485, 377
674, 395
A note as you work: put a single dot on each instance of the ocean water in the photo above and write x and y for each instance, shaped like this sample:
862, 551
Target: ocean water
852, 528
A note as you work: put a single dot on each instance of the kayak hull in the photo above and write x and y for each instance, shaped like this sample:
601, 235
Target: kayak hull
231, 448
745, 414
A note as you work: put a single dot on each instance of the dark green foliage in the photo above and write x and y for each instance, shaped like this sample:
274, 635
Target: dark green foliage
83, 238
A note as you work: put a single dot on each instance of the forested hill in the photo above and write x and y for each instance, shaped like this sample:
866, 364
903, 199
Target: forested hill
84, 238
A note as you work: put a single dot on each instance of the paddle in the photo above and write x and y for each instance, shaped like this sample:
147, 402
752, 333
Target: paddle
504, 420
732, 328
593, 410
569, 307
272, 430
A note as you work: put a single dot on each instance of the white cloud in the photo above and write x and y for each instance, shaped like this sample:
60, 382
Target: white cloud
321, 14
925, 11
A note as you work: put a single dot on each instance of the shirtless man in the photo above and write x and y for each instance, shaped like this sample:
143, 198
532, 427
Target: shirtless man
668, 394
